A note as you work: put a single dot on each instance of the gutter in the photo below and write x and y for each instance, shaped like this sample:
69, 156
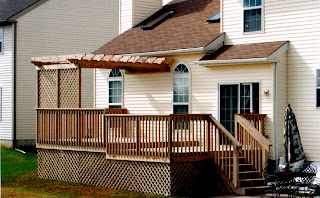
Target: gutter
211, 47
235, 61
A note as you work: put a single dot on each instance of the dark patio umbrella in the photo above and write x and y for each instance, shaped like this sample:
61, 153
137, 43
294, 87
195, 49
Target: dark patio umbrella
292, 141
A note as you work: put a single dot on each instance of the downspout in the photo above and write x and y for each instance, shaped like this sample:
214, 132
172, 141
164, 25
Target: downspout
275, 111
14, 63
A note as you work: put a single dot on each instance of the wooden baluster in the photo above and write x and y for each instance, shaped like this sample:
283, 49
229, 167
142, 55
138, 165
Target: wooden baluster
235, 166
169, 138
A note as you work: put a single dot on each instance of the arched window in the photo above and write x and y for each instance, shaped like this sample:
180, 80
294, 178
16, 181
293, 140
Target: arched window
181, 89
115, 88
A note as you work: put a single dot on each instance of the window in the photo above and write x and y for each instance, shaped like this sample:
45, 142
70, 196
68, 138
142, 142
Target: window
215, 18
252, 15
1, 40
115, 89
155, 22
318, 88
181, 89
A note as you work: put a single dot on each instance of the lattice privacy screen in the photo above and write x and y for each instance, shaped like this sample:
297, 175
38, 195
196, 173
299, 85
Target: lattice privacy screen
66, 80
68, 88
94, 168
47, 92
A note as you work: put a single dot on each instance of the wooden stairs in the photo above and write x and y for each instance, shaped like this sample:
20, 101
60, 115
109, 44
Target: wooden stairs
241, 165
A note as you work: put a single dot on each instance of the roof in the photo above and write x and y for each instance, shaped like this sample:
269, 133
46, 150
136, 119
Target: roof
185, 29
9, 8
247, 51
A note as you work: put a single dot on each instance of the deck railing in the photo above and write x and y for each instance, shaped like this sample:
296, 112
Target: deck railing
254, 145
142, 137
257, 120
71, 127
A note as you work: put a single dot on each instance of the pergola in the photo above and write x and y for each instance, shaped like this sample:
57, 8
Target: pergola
59, 77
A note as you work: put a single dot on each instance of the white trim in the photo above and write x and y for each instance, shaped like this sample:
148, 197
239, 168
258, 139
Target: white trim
317, 76
2, 41
115, 79
214, 45
262, 17
239, 96
175, 76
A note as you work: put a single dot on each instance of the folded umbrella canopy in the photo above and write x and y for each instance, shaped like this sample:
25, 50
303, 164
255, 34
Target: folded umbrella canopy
292, 141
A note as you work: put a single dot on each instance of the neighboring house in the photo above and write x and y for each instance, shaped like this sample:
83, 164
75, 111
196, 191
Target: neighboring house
203, 79
45, 27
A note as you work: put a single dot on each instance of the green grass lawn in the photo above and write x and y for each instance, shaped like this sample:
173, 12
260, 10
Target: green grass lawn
19, 179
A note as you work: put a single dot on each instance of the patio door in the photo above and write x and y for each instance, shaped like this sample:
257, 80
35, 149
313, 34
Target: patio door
242, 98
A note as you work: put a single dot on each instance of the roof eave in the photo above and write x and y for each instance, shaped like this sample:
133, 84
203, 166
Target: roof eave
273, 58
211, 47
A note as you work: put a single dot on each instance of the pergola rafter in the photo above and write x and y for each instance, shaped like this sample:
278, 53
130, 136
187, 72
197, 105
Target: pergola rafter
129, 63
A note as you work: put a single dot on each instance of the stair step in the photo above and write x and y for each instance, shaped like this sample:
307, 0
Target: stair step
256, 190
251, 182
248, 175
245, 167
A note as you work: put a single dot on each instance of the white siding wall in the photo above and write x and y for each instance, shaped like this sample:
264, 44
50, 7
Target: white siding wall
6, 84
125, 15
81, 27
142, 9
135, 11
101, 88
298, 22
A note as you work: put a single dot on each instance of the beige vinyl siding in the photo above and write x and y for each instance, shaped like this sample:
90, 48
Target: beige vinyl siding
125, 15
101, 88
133, 12
299, 23
80, 28
151, 93
6, 79
142, 9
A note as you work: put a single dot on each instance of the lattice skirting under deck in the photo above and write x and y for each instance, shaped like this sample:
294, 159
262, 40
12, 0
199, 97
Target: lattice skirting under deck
94, 168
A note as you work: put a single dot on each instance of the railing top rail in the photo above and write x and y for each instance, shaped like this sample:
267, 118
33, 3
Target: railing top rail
141, 115
254, 132
70, 109
254, 114
225, 131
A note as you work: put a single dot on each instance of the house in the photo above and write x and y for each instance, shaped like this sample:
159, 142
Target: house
200, 85
40, 27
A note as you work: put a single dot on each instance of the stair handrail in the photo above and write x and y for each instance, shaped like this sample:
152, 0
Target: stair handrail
236, 152
225, 131
265, 143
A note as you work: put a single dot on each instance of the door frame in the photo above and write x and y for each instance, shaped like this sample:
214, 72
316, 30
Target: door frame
239, 83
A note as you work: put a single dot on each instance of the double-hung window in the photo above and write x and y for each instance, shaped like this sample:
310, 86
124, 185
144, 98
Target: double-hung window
1, 40
318, 88
181, 89
252, 15
115, 89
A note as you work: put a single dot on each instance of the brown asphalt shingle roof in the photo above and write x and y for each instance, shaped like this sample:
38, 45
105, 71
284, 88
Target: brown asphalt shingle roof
256, 50
185, 29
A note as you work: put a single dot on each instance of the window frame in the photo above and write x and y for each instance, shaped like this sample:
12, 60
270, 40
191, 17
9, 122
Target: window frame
262, 17
2, 39
317, 77
115, 79
175, 76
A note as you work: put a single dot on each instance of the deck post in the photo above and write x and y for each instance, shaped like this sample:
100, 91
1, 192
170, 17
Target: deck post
235, 165
169, 137
236, 127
